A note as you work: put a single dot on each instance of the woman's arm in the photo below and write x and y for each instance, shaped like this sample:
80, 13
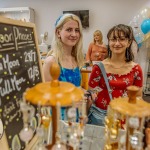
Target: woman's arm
46, 68
88, 54
139, 80
94, 81
105, 51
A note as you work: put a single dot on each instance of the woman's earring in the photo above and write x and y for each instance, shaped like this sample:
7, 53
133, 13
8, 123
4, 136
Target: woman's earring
127, 53
109, 53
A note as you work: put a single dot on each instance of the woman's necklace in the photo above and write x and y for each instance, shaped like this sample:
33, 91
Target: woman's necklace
73, 65
69, 63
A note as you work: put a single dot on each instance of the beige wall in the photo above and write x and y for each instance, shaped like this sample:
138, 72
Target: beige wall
103, 13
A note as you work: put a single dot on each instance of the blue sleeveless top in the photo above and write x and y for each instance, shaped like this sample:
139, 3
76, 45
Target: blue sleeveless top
73, 76
70, 75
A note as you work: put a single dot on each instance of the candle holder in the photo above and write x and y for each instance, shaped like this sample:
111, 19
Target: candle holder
133, 112
50, 94
27, 132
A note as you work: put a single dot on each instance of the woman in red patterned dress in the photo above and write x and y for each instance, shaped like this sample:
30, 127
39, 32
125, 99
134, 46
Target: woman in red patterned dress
120, 68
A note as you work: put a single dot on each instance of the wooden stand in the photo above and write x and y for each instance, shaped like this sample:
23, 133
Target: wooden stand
131, 108
51, 93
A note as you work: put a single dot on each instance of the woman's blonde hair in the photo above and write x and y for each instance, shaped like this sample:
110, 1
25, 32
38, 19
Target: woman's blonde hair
98, 32
57, 48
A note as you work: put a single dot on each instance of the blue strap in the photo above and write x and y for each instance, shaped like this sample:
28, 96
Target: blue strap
101, 66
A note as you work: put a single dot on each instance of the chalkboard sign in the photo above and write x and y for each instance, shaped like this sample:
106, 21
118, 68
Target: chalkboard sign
20, 68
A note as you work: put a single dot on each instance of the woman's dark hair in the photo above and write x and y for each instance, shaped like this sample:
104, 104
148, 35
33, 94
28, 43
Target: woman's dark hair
133, 37
128, 33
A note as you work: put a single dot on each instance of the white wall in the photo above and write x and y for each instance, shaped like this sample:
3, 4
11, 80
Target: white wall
103, 13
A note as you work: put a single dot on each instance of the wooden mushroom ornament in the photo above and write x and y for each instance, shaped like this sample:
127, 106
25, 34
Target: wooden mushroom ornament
54, 92
134, 111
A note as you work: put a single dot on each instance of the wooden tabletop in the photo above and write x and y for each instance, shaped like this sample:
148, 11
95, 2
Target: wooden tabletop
86, 70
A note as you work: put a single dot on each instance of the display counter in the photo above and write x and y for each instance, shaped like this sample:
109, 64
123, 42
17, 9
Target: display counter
85, 72
94, 136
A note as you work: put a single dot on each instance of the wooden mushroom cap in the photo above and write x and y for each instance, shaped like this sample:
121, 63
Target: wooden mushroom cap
130, 105
49, 93
139, 109
46, 95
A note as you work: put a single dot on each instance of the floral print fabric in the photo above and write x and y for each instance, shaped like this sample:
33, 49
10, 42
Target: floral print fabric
118, 84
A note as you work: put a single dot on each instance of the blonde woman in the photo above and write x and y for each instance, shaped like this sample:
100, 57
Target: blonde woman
66, 51
97, 50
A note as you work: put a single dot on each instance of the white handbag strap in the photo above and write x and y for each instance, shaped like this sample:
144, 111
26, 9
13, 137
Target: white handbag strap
101, 66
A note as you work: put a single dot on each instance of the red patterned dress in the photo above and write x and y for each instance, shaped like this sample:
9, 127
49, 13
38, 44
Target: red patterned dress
118, 84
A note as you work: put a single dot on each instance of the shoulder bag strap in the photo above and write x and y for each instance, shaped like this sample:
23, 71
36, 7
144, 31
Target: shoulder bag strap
101, 66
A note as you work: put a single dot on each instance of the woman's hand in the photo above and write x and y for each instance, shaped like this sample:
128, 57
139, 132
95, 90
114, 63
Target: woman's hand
90, 97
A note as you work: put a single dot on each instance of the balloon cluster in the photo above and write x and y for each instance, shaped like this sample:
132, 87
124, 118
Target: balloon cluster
141, 25
145, 26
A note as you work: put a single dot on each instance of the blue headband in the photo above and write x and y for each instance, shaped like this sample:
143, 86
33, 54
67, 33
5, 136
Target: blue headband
58, 20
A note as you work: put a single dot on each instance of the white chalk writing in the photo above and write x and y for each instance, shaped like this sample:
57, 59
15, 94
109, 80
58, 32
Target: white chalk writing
33, 72
0, 101
8, 109
10, 64
10, 85
21, 36
12, 117
6, 38
1, 66
30, 56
